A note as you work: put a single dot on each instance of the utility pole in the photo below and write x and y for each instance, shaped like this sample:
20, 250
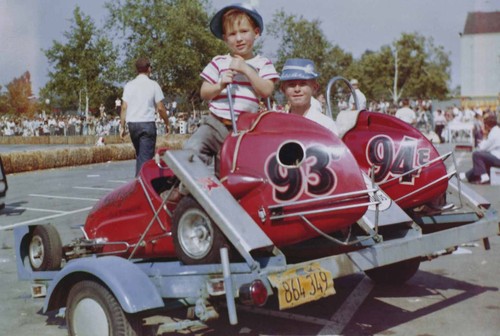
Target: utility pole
86, 104
395, 85
394, 91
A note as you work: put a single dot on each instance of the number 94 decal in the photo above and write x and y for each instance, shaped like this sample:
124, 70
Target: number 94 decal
313, 176
389, 161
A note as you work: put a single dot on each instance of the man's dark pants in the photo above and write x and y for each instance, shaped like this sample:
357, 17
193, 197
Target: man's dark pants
143, 136
481, 163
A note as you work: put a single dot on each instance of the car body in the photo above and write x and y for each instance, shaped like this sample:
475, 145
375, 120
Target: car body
281, 168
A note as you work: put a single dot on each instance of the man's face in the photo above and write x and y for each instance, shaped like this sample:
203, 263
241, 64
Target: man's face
241, 37
299, 92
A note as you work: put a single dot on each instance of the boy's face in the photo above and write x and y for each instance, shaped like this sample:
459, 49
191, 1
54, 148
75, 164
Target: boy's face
299, 92
240, 38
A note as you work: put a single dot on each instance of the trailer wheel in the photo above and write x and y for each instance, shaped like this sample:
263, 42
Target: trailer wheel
91, 309
197, 240
45, 248
394, 274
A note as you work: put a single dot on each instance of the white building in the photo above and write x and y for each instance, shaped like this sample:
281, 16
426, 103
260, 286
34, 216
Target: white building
480, 58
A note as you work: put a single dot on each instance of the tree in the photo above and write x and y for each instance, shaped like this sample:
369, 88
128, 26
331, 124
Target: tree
174, 34
3, 101
83, 69
18, 100
300, 38
412, 67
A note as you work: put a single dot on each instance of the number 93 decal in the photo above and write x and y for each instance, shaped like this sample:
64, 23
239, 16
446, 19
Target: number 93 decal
312, 176
389, 161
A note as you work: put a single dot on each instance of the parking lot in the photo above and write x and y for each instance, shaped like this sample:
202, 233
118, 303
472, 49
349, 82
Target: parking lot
452, 295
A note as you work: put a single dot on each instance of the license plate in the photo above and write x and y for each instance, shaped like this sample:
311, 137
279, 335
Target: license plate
300, 285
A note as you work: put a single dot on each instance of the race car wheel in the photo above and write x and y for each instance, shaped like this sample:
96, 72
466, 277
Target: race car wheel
45, 248
197, 240
91, 309
394, 274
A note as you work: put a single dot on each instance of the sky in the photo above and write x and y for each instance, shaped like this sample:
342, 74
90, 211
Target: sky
29, 26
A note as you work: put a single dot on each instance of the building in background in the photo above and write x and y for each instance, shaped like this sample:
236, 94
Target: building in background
480, 60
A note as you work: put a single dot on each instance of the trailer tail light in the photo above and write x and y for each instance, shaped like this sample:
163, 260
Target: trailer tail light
254, 293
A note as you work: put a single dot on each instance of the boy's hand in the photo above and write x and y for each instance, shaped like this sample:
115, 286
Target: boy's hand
226, 78
238, 64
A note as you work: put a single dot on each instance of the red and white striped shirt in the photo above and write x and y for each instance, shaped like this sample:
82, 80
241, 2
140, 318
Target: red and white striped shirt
244, 97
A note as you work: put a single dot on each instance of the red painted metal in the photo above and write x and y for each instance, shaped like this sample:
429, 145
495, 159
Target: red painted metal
395, 147
279, 159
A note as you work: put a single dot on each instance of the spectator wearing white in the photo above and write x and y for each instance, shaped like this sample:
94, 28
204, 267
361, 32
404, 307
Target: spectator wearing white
118, 105
406, 114
174, 107
478, 111
343, 105
142, 98
457, 113
469, 115
487, 155
361, 97
439, 124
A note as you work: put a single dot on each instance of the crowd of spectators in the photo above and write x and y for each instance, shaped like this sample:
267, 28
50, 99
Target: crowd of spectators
74, 125
427, 119
440, 121
55, 125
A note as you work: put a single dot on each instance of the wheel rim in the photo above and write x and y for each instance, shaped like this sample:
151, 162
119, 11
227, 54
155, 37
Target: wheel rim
195, 234
90, 319
36, 252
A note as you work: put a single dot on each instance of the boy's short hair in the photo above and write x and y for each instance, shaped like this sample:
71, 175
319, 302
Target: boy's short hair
220, 20
233, 16
142, 64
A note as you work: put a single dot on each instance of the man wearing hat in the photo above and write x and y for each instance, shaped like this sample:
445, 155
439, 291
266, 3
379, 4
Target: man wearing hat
361, 97
298, 83
487, 155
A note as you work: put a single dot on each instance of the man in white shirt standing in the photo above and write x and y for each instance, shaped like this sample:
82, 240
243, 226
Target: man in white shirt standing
406, 114
142, 97
360, 95
298, 83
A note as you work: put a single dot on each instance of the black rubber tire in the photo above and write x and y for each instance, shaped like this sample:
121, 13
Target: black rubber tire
45, 248
91, 309
205, 247
394, 274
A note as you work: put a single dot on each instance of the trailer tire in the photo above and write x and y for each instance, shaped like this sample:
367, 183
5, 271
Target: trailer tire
394, 274
45, 248
197, 239
93, 310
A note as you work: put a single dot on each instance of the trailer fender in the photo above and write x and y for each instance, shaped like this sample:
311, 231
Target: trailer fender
20, 238
133, 289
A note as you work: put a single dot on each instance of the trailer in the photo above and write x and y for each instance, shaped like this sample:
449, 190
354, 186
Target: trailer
306, 208
109, 294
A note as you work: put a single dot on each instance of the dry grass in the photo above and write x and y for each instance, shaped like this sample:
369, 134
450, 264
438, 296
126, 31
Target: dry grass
16, 162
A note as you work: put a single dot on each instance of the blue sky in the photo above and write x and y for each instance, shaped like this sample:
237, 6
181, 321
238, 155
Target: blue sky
28, 26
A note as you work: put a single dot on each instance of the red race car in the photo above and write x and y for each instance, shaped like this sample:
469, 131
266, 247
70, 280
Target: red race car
288, 178
293, 177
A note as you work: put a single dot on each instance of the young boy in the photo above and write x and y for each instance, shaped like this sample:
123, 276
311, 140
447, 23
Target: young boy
298, 83
252, 77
